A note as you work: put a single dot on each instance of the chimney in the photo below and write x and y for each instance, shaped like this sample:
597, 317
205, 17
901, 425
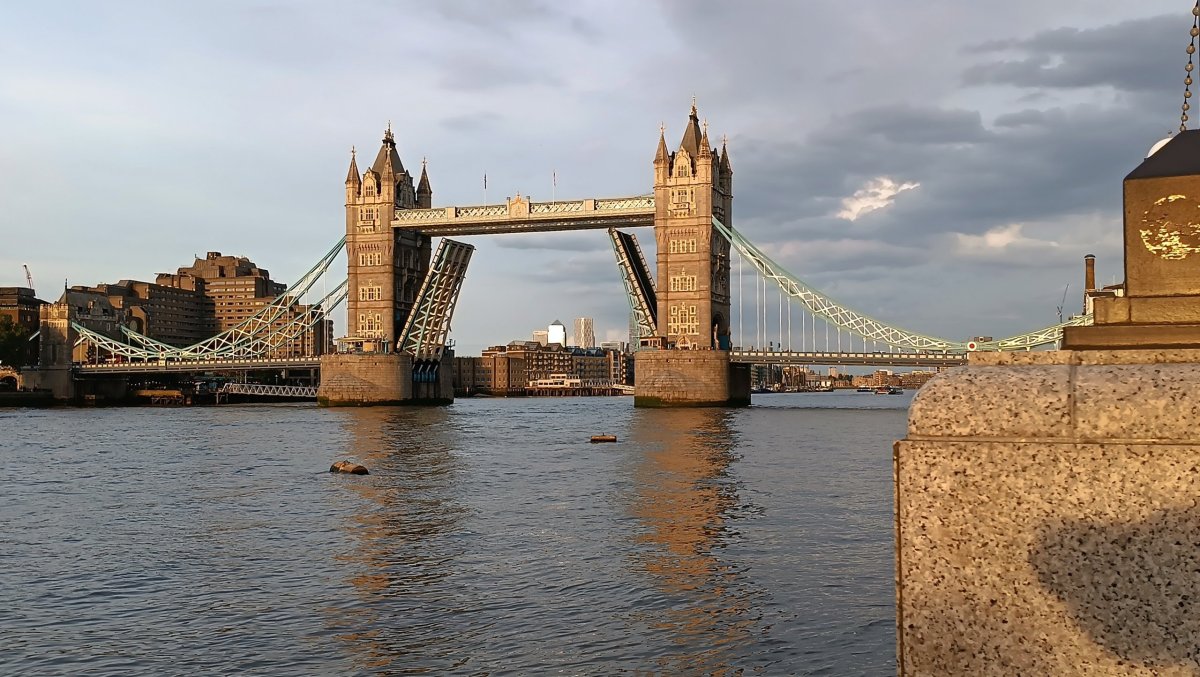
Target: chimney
1089, 272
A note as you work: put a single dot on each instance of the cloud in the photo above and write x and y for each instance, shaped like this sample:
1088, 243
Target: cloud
1118, 55
878, 193
1005, 239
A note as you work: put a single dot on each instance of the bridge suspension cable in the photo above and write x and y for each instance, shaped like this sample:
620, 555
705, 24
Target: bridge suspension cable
856, 323
259, 335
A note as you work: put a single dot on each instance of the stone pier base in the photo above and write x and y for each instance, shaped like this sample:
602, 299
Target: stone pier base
1048, 517
365, 379
689, 378
370, 379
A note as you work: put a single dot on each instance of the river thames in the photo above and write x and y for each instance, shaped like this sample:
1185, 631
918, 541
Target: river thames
489, 539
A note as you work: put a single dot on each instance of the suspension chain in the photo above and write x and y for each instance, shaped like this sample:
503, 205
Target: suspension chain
1187, 80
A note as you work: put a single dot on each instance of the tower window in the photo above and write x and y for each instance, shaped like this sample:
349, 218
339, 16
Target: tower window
683, 283
682, 246
369, 189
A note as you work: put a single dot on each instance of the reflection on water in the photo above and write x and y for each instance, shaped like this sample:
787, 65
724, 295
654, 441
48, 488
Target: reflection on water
684, 498
489, 539
398, 536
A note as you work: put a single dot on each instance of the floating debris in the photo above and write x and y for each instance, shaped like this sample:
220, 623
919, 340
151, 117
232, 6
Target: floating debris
349, 468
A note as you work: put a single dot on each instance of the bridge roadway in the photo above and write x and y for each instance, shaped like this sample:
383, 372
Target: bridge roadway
519, 215
241, 364
849, 359
741, 356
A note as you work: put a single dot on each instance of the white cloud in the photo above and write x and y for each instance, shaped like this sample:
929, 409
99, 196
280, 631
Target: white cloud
998, 239
874, 195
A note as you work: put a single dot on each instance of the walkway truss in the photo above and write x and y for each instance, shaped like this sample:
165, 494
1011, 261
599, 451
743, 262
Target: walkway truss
868, 327
265, 333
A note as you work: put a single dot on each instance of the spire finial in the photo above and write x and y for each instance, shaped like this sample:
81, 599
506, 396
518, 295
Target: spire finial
724, 140
352, 152
662, 128
423, 161
704, 126
694, 101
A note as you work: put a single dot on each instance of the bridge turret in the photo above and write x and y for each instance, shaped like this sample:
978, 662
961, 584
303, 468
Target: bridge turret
353, 180
395, 181
662, 158
424, 192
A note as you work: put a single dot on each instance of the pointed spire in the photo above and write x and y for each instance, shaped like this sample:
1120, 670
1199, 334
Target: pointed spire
705, 148
691, 134
662, 157
423, 187
352, 176
388, 158
725, 167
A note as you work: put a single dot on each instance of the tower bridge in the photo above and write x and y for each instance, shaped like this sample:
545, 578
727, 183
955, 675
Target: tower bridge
400, 292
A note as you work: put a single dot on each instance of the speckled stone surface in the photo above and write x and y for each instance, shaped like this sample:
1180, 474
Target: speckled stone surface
1048, 518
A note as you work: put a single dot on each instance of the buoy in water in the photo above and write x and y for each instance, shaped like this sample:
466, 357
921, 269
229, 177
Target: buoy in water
349, 468
604, 438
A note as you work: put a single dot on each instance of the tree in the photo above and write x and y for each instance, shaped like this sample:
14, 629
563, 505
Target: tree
14, 343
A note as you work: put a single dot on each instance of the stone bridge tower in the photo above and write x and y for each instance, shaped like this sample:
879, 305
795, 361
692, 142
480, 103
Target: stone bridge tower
385, 265
692, 186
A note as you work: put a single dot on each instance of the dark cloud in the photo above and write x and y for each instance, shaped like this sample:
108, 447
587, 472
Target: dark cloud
1127, 56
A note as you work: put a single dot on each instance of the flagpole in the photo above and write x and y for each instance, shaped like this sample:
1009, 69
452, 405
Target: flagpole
485, 188
554, 186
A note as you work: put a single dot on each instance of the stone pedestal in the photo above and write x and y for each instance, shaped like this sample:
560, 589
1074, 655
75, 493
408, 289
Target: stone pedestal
365, 379
1048, 517
689, 378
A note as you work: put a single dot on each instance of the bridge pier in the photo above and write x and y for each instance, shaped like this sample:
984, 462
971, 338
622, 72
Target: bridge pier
690, 378
381, 379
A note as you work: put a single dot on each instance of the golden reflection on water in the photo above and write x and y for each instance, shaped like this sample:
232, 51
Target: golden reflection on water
393, 532
682, 500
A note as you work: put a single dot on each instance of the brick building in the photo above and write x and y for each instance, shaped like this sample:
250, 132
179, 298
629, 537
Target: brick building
20, 305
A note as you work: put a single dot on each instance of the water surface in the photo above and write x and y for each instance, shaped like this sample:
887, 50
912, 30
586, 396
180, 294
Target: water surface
489, 539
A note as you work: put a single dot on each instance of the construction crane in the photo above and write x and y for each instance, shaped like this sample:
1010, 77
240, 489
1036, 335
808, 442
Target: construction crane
28, 276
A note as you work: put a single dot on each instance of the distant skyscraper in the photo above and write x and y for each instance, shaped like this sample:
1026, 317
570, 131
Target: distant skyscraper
541, 336
585, 336
556, 333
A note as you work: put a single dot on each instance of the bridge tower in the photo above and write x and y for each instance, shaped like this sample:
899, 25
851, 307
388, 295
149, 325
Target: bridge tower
692, 186
385, 269
385, 265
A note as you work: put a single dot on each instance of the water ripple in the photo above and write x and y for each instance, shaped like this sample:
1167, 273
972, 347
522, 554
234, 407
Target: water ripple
489, 539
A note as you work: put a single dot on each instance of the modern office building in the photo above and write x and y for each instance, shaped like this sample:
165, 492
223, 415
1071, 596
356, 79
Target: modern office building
556, 333
585, 335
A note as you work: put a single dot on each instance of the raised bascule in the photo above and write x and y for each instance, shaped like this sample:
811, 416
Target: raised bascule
400, 294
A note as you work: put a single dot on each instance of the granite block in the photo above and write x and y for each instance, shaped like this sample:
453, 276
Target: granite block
1047, 558
1137, 402
991, 402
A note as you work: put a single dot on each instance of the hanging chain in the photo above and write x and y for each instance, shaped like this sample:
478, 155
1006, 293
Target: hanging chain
1187, 81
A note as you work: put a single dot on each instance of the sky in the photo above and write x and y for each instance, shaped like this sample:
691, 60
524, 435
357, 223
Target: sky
940, 165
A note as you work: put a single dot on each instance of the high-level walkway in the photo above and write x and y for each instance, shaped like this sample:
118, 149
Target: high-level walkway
519, 215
